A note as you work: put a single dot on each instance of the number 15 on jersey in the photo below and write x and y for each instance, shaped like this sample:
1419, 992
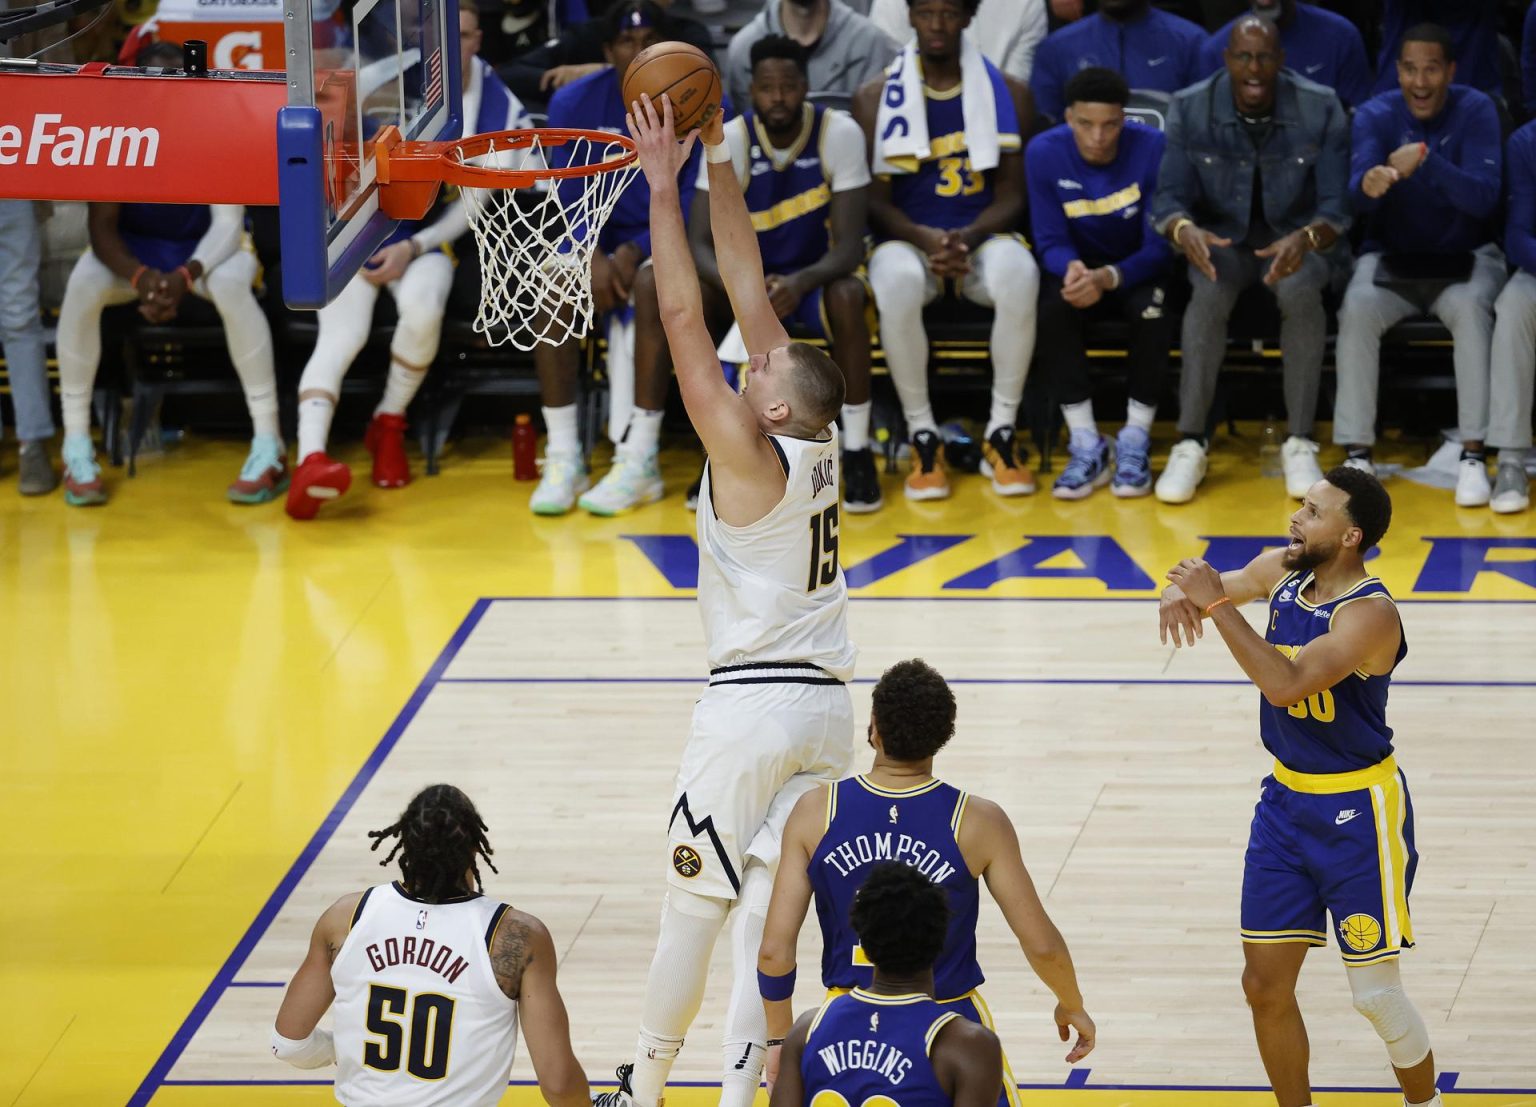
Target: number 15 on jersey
823, 549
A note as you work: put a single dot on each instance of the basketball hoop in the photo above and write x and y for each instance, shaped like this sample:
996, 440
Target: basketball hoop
537, 201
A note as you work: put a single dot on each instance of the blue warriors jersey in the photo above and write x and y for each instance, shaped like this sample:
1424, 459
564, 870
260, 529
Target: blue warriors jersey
862, 1046
1339, 729
163, 236
789, 206
945, 192
917, 826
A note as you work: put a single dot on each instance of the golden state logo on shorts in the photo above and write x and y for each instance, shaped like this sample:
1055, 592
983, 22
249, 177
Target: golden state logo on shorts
686, 862
1361, 933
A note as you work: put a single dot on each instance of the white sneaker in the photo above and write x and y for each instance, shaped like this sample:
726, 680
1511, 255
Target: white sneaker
564, 478
1472, 488
1183, 473
1298, 458
631, 483
1363, 463
1511, 489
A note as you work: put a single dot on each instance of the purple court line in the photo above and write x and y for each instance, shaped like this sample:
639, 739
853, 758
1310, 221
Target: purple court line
225, 976
1161, 682
972, 597
224, 979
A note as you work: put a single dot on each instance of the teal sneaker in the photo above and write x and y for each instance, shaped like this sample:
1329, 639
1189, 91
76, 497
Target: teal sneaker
83, 486
264, 476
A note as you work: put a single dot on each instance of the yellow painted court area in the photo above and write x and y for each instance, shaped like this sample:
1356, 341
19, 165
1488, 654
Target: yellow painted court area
188, 688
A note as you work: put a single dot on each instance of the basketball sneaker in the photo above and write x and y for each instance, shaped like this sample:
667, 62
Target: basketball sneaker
624, 1096
861, 482
1511, 488
264, 476
1087, 468
1360, 459
1133, 465
1298, 460
318, 479
1183, 473
1002, 459
1472, 488
563, 479
36, 476
632, 482
927, 480
385, 440
82, 476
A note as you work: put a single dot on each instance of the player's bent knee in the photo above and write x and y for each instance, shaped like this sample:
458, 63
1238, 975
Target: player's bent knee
1379, 996
694, 905
1266, 991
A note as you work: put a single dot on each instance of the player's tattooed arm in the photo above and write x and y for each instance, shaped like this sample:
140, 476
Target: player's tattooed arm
541, 1011
510, 954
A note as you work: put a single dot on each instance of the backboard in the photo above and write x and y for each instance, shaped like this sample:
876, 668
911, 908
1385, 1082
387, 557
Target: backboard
393, 63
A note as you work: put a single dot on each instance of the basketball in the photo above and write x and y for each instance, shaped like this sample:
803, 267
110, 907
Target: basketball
683, 72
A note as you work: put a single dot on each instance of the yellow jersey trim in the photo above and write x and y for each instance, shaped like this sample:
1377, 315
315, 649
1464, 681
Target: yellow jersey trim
1327, 784
1353, 588
824, 1005
785, 211
938, 1024
831, 807
954, 821
945, 94
897, 793
1104, 205
906, 999
795, 148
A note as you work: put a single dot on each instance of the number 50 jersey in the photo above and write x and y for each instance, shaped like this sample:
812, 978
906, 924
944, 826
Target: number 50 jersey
419, 1017
774, 591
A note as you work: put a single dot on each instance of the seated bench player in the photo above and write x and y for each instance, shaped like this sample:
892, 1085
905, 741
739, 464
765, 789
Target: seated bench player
943, 130
416, 269
803, 172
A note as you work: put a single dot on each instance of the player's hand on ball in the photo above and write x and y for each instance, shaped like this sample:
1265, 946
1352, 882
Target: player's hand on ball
661, 154
1200, 583
1068, 1020
712, 131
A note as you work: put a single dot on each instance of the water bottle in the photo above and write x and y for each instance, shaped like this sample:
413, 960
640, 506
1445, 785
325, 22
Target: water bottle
525, 449
1270, 439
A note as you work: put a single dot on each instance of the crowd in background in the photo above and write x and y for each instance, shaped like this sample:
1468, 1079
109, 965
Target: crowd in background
1060, 166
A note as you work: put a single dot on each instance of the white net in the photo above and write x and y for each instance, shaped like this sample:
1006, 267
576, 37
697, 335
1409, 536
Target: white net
535, 243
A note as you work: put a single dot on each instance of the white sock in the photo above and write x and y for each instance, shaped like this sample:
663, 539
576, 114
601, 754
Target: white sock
1432, 1101
560, 423
746, 1023
1005, 413
643, 436
1079, 417
314, 424
1140, 415
400, 389
856, 425
921, 419
76, 406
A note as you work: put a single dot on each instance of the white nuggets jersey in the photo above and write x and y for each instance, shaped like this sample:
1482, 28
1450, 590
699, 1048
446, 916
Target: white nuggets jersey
419, 1017
774, 591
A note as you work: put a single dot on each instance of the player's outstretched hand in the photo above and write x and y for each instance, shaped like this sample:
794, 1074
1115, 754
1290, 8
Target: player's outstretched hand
1068, 1020
661, 154
1178, 617
1200, 583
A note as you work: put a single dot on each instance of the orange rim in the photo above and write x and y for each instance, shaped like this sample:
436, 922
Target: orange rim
400, 162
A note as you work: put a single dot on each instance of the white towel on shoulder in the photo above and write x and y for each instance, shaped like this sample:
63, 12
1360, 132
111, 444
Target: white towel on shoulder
902, 122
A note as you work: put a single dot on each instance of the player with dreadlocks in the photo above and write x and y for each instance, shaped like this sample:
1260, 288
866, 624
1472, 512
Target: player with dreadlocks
425, 961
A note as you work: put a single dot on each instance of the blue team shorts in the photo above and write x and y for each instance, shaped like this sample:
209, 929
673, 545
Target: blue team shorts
1338, 844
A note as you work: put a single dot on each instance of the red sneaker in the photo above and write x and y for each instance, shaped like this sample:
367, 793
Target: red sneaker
317, 479
386, 442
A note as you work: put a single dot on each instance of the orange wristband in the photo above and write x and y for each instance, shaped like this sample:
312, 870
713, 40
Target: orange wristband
1216, 604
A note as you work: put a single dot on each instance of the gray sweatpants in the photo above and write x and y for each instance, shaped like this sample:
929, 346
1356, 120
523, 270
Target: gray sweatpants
1514, 364
1303, 334
21, 324
1369, 311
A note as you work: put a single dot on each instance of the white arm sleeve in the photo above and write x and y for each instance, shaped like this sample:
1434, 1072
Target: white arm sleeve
315, 1051
736, 139
222, 238
842, 152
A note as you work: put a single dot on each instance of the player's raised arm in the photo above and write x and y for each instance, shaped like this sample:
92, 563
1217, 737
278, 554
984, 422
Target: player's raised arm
1181, 618
726, 426
296, 1038
736, 250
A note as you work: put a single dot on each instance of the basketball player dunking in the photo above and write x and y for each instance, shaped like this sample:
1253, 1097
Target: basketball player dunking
1333, 829
429, 978
776, 719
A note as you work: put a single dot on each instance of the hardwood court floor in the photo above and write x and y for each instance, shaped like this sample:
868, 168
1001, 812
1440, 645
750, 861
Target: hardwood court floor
190, 688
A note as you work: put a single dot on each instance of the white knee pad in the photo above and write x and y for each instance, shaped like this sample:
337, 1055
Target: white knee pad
897, 278
1378, 992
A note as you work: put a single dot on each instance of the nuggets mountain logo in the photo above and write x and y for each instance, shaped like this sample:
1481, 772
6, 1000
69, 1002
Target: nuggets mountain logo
686, 862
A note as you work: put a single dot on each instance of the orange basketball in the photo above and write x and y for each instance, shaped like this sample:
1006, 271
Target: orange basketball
683, 72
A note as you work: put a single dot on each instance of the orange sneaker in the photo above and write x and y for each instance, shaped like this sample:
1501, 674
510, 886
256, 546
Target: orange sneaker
386, 442
1002, 459
927, 480
317, 480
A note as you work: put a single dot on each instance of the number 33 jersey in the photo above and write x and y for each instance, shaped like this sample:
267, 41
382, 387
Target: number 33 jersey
1342, 728
420, 1019
774, 591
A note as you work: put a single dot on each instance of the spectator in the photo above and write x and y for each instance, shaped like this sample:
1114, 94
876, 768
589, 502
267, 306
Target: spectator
1008, 31
21, 337
580, 51
1253, 187
414, 265
1148, 47
1514, 332
846, 49
622, 283
1528, 61
512, 28
1473, 26
1318, 44
1426, 174
947, 196
1090, 181
806, 182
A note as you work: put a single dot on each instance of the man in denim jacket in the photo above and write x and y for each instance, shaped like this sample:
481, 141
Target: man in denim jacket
1253, 186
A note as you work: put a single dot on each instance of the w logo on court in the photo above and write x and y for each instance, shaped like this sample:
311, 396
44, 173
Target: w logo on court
686, 862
